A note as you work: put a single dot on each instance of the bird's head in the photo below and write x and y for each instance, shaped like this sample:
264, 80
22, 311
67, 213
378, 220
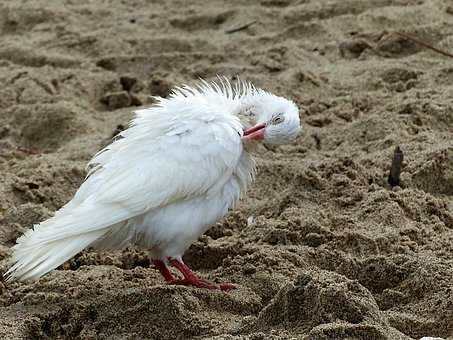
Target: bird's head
276, 119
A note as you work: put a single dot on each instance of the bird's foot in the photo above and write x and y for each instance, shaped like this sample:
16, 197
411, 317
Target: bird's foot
190, 279
162, 267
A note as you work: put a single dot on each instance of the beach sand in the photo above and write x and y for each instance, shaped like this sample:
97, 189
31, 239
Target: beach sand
321, 247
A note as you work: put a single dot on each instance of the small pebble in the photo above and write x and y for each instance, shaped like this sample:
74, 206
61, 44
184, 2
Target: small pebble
128, 82
313, 239
249, 269
116, 100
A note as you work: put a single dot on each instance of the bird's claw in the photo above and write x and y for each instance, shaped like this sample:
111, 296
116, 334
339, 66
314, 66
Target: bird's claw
226, 286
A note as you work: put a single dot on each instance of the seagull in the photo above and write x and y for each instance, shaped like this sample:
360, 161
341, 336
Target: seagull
180, 167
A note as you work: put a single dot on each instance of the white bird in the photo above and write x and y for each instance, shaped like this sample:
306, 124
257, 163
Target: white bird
179, 167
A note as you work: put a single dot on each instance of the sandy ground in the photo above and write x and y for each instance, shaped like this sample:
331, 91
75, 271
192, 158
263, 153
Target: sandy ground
321, 248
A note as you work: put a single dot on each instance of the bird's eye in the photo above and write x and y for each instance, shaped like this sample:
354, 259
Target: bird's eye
277, 119
249, 111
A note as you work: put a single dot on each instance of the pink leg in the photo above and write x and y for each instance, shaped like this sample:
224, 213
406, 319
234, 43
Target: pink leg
191, 279
168, 276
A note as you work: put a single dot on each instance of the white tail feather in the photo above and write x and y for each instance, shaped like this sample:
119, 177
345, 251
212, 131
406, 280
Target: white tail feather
42, 258
59, 238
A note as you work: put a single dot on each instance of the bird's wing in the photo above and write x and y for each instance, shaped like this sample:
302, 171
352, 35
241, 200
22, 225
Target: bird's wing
147, 169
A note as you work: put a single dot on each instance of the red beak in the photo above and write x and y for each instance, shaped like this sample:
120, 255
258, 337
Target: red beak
255, 132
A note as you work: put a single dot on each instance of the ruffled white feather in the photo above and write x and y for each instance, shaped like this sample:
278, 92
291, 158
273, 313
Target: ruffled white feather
178, 168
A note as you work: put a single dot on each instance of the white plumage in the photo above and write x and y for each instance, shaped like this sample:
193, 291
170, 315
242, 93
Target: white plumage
179, 167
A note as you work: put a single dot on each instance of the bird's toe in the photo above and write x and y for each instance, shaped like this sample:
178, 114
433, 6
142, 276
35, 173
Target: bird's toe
226, 286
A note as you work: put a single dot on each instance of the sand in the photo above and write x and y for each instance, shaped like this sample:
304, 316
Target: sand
321, 247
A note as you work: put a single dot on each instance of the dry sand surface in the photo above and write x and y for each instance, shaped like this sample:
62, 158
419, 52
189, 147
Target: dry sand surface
321, 248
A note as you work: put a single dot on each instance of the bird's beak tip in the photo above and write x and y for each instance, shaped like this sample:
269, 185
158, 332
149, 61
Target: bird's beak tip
255, 132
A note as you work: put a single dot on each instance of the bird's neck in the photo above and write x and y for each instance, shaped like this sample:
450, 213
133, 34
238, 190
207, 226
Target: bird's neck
247, 113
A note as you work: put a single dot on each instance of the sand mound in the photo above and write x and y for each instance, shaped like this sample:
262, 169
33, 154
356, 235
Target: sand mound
320, 298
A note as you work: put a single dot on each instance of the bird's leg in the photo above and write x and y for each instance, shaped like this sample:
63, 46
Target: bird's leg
191, 279
162, 267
